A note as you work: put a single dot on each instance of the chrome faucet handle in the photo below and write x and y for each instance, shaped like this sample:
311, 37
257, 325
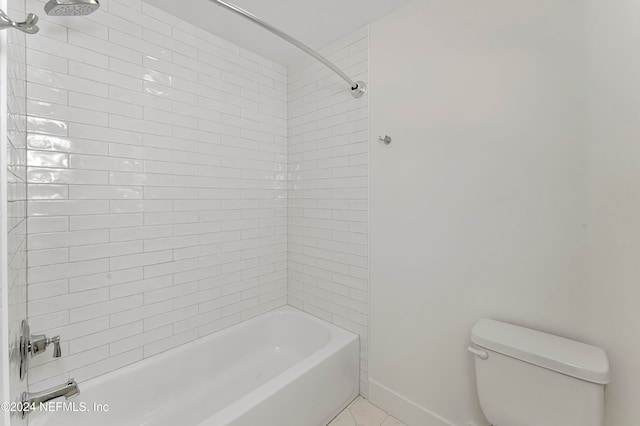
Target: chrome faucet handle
57, 352
40, 342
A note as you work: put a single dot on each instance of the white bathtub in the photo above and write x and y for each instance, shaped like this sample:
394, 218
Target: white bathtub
283, 368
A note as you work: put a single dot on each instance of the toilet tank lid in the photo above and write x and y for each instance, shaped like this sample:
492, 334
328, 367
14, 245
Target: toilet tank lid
548, 351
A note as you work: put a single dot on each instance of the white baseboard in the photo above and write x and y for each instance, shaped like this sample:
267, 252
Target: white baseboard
402, 408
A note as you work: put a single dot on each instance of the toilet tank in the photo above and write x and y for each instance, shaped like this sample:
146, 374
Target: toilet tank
529, 378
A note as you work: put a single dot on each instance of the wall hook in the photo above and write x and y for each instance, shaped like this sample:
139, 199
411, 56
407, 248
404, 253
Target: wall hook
385, 140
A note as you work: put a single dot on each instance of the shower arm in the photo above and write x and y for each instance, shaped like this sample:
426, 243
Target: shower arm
358, 88
28, 26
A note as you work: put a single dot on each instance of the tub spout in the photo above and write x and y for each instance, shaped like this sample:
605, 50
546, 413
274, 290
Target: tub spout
68, 390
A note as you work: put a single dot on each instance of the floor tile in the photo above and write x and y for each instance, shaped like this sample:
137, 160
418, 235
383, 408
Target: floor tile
392, 421
363, 413
344, 419
366, 413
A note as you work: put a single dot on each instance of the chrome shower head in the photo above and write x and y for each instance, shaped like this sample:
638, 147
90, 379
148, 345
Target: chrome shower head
71, 7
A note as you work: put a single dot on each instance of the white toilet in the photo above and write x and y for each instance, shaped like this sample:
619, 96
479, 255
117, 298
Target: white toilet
529, 378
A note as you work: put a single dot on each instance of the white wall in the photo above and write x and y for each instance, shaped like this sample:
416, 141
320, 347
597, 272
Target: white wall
328, 190
478, 205
157, 186
614, 198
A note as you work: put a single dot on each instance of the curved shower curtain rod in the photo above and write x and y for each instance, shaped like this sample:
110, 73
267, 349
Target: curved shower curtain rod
358, 88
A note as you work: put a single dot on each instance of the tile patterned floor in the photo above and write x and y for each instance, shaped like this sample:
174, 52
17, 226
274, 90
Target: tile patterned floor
363, 413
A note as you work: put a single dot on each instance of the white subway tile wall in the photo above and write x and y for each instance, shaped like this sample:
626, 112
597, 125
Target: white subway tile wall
328, 191
16, 190
157, 167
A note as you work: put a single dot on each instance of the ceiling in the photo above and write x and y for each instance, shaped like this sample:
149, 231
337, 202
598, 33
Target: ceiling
314, 22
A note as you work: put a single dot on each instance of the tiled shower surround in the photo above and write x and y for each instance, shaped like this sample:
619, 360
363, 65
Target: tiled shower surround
158, 187
328, 191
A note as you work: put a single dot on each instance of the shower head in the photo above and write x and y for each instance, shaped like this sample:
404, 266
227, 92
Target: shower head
71, 7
